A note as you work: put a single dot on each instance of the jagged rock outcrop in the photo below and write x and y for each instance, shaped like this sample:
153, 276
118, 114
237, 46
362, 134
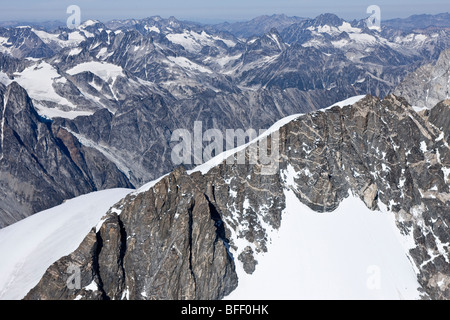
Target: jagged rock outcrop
439, 116
178, 239
174, 249
42, 165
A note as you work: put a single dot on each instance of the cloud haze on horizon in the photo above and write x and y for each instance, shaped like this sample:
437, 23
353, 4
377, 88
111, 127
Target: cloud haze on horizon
211, 11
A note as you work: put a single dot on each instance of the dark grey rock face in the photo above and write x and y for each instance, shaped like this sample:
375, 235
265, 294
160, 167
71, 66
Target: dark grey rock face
42, 165
172, 249
429, 84
439, 116
177, 240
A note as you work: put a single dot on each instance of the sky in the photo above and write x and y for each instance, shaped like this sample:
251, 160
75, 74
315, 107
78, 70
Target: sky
210, 11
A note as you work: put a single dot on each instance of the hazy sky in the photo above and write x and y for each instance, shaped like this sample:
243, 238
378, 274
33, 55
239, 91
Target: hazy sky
211, 11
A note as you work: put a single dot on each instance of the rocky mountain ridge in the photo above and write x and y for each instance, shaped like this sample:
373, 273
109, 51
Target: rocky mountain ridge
206, 222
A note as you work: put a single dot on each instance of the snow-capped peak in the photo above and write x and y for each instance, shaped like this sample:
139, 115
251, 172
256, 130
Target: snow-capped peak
89, 23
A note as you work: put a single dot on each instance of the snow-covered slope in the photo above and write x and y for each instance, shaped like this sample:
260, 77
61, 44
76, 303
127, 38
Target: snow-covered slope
106, 71
350, 253
38, 80
30, 246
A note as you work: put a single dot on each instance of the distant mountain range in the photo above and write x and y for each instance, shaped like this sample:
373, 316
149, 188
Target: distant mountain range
258, 26
420, 21
114, 93
261, 24
46, 25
